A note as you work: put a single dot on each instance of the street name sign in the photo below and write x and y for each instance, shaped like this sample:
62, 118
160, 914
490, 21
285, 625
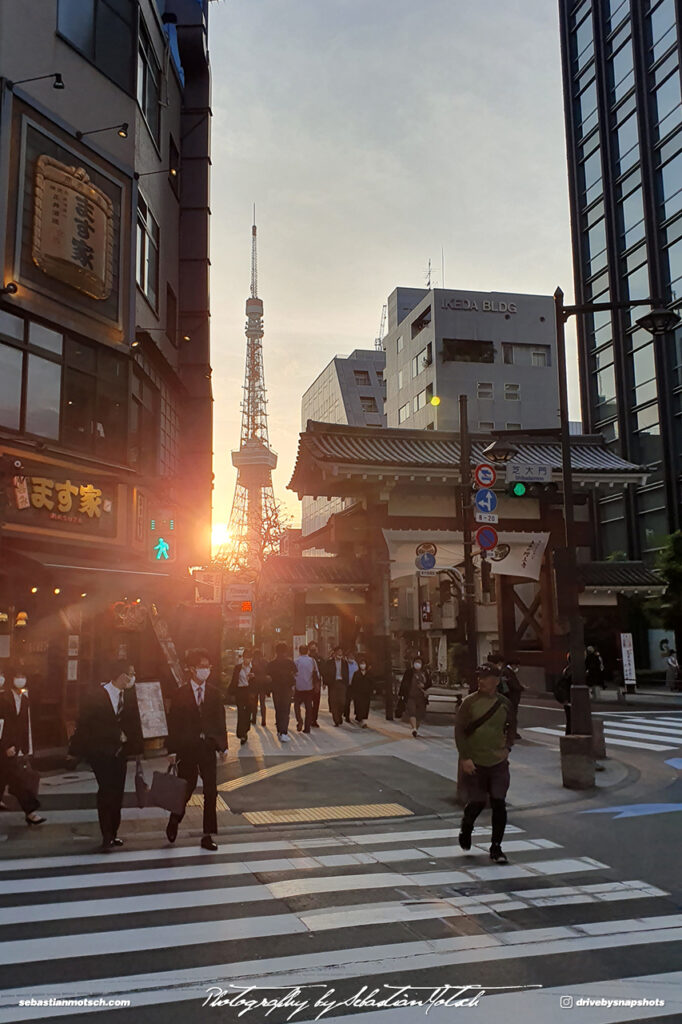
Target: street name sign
529, 473
485, 475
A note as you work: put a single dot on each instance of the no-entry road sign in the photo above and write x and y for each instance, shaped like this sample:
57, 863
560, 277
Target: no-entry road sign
485, 474
486, 538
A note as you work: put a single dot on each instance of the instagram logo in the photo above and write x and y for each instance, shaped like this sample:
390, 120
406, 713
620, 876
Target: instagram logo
566, 1002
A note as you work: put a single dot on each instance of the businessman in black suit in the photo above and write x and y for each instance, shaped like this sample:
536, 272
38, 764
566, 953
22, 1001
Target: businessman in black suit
196, 732
108, 731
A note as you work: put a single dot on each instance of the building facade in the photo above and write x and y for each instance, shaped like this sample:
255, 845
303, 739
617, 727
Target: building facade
351, 389
105, 389
497, 348
623, 110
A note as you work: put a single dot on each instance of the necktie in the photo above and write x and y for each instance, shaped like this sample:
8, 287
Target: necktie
119, 709
200, 696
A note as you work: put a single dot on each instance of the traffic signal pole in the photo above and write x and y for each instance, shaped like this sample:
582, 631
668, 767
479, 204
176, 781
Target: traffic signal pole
581, 713
465, 513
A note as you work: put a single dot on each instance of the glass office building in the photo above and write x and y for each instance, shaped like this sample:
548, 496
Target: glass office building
623, 107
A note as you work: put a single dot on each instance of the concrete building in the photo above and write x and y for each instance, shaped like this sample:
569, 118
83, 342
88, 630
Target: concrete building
497, 348
623, 109
351, 389
105, 390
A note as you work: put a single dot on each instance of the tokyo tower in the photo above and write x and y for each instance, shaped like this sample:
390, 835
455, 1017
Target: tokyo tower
254, 528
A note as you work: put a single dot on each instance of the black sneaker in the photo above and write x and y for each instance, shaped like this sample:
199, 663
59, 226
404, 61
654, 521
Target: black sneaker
498, 855
465, 840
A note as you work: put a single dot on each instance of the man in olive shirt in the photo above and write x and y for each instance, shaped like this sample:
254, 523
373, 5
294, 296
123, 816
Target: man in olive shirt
485, 728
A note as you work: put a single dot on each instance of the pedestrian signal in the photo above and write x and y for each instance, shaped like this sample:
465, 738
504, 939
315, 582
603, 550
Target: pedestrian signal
247, 606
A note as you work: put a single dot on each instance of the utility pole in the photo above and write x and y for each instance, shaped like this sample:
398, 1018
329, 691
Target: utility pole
465, 513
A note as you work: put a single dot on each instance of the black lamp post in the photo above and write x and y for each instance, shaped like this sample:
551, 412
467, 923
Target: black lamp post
658, 321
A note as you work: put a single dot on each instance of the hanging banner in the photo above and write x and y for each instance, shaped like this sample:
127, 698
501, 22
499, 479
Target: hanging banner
427, 550
524, 558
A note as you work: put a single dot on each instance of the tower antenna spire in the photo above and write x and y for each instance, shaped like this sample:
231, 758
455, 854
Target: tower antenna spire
254, 258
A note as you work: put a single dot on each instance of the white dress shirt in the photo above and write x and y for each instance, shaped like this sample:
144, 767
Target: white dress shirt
114, 693
199, 692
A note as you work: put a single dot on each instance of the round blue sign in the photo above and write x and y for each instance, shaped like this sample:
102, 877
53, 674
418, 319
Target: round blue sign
427, 560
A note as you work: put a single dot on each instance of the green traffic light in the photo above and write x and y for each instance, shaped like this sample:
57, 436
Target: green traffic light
519, 489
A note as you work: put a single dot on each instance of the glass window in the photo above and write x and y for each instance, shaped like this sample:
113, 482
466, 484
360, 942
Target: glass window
591, 174
11, 326
637, 284
653, 529
147, 252
10, 386
103, 31
587, 109
622, 72
400, 344
671, 186
613, 536
643, 364
144, 428
79, 409
662, 24
583, 41
486, 425
674, 267
148, 82
647, 418
484, 389
43, 337
403, 412
605, 388
400, 379
632, 219
43, 386
512, 392
616, 10
595, 244
668, 105
368, 404
648, 445
626, 144
362, 377
538, 358
508, 354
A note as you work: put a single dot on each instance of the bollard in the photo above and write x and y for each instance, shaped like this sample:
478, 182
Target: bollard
577, 762
598, 743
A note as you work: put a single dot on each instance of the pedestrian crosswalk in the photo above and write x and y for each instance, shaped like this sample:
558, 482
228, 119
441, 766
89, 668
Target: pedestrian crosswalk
658, 732
330, 913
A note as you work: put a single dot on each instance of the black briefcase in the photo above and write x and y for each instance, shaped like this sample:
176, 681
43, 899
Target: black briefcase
168, 791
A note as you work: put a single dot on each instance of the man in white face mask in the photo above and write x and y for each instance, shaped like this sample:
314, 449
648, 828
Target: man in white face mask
16, 743
196, 732
107, 733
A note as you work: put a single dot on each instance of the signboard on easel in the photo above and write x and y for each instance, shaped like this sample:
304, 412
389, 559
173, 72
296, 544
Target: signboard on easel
152, 710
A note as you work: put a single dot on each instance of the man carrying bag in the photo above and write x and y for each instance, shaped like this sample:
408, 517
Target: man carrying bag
485, 729
108, 731
196, 732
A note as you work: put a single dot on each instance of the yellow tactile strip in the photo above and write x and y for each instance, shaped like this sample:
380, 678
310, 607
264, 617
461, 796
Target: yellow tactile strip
326, 813
266, 773
197, 800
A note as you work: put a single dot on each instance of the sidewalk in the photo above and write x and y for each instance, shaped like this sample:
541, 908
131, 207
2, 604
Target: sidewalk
444, 700
318, 779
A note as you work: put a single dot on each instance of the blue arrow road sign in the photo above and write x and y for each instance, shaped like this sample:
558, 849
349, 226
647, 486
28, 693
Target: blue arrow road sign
485, 500
636, 810
427, 560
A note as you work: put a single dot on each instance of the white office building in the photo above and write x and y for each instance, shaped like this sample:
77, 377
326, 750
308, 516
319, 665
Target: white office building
497, 348
350, 389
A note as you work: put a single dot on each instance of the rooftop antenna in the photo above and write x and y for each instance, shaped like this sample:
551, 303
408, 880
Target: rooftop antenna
428, 276
254, 258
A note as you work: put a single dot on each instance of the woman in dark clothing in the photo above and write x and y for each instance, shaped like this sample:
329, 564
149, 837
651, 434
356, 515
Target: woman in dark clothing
413, 689
361, 687
242, 692
16, 742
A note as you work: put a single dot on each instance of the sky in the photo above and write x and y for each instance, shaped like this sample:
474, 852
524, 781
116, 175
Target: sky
371, 134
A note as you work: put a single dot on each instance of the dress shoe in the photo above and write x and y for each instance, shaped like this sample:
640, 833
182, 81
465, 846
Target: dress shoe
172, 831
116, 841
207, 843
299, 726
243, 740
498, 855
35, 821
316, 725
464, 839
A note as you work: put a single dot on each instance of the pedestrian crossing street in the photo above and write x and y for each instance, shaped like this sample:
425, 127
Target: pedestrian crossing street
404, 905
658, 732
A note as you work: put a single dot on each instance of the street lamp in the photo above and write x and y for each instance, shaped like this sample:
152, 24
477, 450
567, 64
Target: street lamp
658, 321
121, 129
500, 451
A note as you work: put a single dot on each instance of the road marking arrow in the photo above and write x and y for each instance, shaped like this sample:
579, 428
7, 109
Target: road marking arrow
636, 810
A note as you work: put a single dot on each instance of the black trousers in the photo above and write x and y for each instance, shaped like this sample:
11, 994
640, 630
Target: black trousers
567, 712
244, 706
201, 761
10, 775
110, 772
259, 698
281, 698
304, 697
337, 700
346, 706
317, 693
491, 782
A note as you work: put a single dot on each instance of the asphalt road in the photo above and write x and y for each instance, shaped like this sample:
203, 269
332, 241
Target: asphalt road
588, 908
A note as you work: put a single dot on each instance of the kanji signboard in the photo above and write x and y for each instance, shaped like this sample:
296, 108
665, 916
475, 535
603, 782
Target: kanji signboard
65, 498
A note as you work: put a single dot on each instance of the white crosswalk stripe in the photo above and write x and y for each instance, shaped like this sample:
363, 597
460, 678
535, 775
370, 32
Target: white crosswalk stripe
653, 732
333, 910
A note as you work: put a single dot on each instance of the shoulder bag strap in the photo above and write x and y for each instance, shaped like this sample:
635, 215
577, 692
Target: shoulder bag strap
471, 728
